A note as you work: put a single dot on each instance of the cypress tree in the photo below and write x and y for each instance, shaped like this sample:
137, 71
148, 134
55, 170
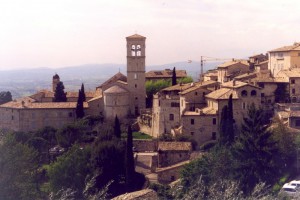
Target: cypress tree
5, 97
83, 92
79, 106
117, 127
230, 130
130, 171
174, 78
60, 95
223, 126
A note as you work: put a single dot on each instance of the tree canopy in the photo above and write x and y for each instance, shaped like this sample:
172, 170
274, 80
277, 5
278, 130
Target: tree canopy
5, 97
60, 95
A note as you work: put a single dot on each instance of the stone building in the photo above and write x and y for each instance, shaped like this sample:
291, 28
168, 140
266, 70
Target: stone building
166, 74
228, 70
292, 78
284, 58
119, 96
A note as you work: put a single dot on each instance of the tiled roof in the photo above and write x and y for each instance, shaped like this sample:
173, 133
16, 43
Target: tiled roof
175, 146
147, 194
167, 73
295, 113
21, 104
283, 114
204, 111
178, 87
117, 77
115, 89
295, 47
246, 75
222, 93
234, 84
233, 62
292, 73
71, 94
136, 36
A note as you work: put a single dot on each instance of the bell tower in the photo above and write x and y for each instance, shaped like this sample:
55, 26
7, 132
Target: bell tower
136, 72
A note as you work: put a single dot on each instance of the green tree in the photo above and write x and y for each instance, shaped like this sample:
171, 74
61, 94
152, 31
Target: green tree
254, 152
174, 78
79, 106
60, 95
18, 170
108, 161
117, 127
281, 93
70, 170
226, 124
130, 172
152, 87
83, 93
5, 97
187, 79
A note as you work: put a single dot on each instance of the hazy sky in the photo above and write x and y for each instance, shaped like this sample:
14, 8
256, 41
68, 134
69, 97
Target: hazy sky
58, 33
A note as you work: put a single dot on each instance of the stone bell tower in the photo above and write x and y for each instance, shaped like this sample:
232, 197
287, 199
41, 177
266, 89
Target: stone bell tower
136, 72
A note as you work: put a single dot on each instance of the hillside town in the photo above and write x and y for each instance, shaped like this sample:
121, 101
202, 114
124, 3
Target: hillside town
270, 81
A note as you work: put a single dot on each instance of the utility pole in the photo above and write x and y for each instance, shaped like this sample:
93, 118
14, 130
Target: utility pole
201, 69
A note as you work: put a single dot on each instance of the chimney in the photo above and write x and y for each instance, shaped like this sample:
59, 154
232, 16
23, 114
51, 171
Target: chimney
233, 82
23, 104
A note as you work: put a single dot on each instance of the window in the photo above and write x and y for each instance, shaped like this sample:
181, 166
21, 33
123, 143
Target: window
292, 81
12, 117
297, 122
244, 93
253, 93
135, 85
213, 135
293, 91
192, 121
192, 133
196, 93
244, 105
136, 98
174, 104
135, 76
70, 114
262, 85
203, 94
280, 54
262, 94
171, 117
214, 121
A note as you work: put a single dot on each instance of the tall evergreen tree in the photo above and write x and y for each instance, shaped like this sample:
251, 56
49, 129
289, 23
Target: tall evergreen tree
117, 127
83, 92
130, 172
174, 78
79, 106
226, 124
254, 152
230, 122
60, 95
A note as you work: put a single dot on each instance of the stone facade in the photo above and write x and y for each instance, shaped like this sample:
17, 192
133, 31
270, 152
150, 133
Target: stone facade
228, 70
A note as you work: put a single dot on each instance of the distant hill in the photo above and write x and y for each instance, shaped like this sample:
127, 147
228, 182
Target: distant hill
27, 81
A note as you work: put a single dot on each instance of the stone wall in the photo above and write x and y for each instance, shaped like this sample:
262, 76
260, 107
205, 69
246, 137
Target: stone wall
169, 174
145, 145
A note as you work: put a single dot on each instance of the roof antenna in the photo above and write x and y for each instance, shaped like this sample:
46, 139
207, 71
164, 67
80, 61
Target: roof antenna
119, 70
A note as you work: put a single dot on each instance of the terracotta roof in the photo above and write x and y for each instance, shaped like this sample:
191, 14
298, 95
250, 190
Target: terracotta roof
175, 146
71, 94
222, 93
147, 194
234, 84
294, 113
294, 47
115, 89
117, 77
258, 56
95, 98
283, 114
292, 73
204, 111
246, 75
136, 36
233, 62
21, 104
167, 73
178, 87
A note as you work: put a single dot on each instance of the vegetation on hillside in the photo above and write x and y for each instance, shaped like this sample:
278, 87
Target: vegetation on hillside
74, 161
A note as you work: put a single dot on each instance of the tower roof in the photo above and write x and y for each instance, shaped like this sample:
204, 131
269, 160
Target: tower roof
135, 36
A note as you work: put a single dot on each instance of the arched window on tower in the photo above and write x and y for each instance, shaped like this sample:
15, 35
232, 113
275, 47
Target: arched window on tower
133, 50
138, 50
135, 76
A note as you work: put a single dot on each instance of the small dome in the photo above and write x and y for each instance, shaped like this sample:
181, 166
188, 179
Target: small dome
115, 89
56, 76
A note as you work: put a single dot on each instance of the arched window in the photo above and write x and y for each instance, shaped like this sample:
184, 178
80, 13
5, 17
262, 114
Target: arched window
138, 50
133, 50
253, 93
244, 93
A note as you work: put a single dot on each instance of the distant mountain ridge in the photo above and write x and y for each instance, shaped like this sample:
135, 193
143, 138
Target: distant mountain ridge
24, 82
